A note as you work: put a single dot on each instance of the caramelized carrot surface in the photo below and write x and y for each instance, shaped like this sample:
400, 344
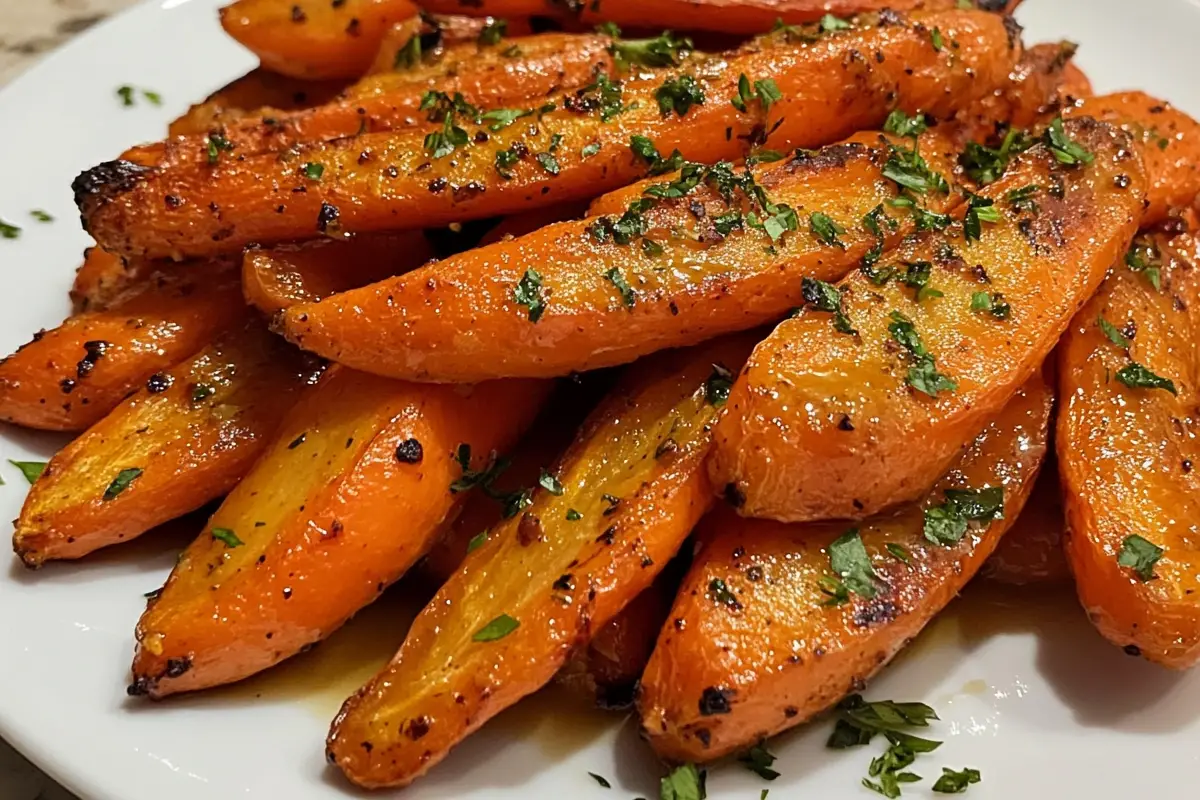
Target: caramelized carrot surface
437, 32
187, 438
929, 342
103, 278
70, 377
351, 492
1130, 382
603, 524
453, 170
258, 93
314, 39
776, 622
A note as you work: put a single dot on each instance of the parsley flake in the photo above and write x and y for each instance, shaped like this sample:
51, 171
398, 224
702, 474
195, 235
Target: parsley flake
498, 628
1140, 555
122, 482
227, 536
1065, 150
759, 761
1112, 332
683, 783
718, 385
848, 560
32, 470
952, 782
493, 32
947, 523
825, 229
1136, 376
618, 280
528, 293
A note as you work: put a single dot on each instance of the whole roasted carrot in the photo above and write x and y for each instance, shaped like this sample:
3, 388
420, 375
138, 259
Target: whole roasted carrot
931, 341
585, 294
186, 438
351, 492
314, 39
776, 93
70, 377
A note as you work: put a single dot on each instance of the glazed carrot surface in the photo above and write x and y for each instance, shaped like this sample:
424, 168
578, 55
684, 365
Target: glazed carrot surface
446, 172
606, 520
350, 493
600, 300
1128, 373
275, 278
314, 39
1032, 550
184, 439
768, 630
258, 93
398, 54
68, 378
929, 342
103, 278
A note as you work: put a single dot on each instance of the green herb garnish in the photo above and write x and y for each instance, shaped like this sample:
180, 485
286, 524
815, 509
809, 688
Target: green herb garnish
227, 536
1140, 555
1136, 376
528, 293
498, 628
122, 482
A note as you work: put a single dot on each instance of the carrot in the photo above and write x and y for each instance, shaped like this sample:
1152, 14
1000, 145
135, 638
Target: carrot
409, 179
275, 278
1130, 382
607, 519
187, 438
1170, 142
350, 493
931, 341
104, 279
436, 32
314, 39
69, 378
573, 297
258, 93
1032, 550
775, 622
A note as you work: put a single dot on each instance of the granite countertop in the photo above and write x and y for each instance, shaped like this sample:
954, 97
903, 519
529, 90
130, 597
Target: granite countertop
31, 29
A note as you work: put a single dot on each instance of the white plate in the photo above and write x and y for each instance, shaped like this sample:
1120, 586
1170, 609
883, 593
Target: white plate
1028, 693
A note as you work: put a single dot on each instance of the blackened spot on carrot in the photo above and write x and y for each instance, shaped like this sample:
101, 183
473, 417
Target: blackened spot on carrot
410, 452
159, 382
298, 14
734, 495
715, 700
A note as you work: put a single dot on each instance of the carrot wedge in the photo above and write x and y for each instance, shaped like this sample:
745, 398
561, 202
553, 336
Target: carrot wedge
767, 631
607, 519
1130, 382
314, 39
350, 493
598, 300
186, 439
103, 279
1032, 550
580, 149
275, 278
929, 343
70, 377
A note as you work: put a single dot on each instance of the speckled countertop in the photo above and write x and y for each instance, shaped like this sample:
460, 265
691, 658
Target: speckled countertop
28, 30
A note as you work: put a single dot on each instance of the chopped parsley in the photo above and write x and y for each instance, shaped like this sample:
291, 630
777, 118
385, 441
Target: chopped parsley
899, 552
679, 94
910, 171
829, 23
827, 297
720, 592
32, 470
826, 229
683, 783
590, 150
979, 210
936, 39
1112, 332
952, 782
227, 536
643, 147
946, 524
916, 276
602, 95
528, 293
922, 375
41, 216
550, 483
126, 94
848, 560
493, 32
759, 761
312, 170
664, 50
548, 162
477, 541
618, 280
122, 482
765, 91
202, 391
718, 385
600, 780
1136, 376
1064, 149
985, 165
1139, 555
573, 515
1143, 257
498, 628
993, 304
1022, 199
217, 144
440, 144
409, 55
500, 118
858, 722
902, 124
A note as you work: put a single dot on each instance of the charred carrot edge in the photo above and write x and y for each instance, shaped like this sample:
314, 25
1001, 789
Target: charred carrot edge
395, 181
821, 422
187, 438
70, 377
314, 39
505, 623
767, 631
351, 492
1130, 381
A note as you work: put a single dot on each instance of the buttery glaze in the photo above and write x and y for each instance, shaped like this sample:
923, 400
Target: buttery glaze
728, 673
1127, 455
388, 180
823, 424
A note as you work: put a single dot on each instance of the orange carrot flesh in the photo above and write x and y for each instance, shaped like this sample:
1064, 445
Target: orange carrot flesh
1126, 449
190, 436
349, 495
314, 39
1032, 550
70, 377
701, 281
258, 93
635, 482
398, 53
822, 422
104, 278
275, 278
765, 634
385, 181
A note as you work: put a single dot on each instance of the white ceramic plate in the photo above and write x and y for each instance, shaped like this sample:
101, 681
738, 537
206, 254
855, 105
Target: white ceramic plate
1028, 693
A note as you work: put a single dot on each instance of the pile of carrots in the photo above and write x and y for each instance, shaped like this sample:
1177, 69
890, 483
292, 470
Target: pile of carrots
704, 367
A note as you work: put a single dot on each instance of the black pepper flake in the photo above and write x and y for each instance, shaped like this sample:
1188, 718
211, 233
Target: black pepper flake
287, 593
754, 574
364, 745
418, 727
94, 351
438, 185
67, 385
298, 14
1121, 181
734, 495
410, 452
299, 440
173, 201
354, 27
608, 535
159, 382
565, 583
1132, 650
1187, 465
329, 218
844, 424
715, 700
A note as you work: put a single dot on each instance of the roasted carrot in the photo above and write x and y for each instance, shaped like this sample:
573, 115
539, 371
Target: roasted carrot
68, 378
436, 32
275, 278
350, 493
1032, 550
258, 93
314, 39
573, 296
775, 621
187, 438
1130, 382
1170, 142
104, 279
605, 521
931, 341
409, 179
